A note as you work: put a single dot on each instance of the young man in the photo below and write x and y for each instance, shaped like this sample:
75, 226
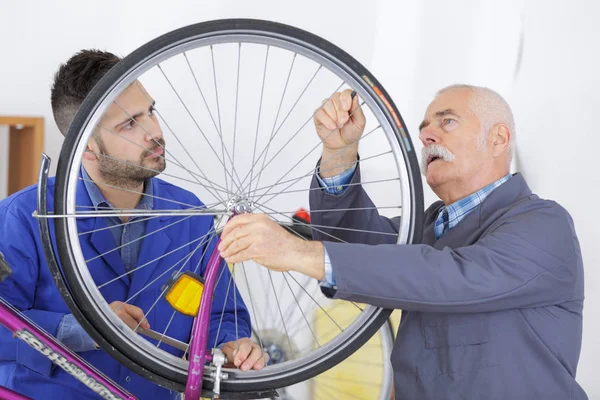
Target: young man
119, 170
492, 300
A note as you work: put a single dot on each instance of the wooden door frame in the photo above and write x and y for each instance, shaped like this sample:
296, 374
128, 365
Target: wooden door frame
26, 144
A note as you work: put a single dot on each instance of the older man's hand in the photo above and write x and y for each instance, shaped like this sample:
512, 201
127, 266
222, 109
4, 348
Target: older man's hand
339, 122
257, 237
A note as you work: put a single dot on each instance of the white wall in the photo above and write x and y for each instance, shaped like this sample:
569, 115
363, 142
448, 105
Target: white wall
556, 101
413, 47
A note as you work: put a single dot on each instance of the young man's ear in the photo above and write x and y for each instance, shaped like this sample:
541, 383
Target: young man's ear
91, 150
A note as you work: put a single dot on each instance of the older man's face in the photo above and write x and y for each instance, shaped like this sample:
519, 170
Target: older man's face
449, 124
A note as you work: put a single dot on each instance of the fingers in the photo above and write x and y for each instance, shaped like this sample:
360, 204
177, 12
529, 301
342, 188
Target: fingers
335, 111
239, 220
248, 355
235, 247
255, 359
322, 118
130, 314
228, 239
356, 112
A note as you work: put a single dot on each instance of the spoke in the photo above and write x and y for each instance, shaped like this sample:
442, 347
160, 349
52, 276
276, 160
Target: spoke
224, 306
281, 314
137, 239
152, 261
203, 175
237, 92
288, 310
344, 186
253, 310
260, 155
136, 192
185, 259
323, 162
331, 331
287, 81
289, 141
196, 182
350, 229
218, 129
178, 272
262, 91
118, 213
265, 289
133, 221
156, 141
114, 226
313, 171
315, 301
308, 153
302, 311
261, 207
340, 209
235, 310
162, 336
201, 131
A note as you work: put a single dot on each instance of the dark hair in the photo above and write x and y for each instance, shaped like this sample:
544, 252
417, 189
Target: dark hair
74, 80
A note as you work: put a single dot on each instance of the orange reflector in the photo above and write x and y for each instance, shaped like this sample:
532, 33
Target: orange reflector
184, 293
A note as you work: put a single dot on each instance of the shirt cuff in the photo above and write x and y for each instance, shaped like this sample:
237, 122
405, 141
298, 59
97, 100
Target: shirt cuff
72, 335
336, 184
329, 280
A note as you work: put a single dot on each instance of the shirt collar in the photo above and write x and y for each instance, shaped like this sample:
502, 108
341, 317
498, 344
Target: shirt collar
458, 210
99, 201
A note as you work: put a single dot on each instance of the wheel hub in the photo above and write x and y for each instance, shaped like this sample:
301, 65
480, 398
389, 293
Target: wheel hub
240, 205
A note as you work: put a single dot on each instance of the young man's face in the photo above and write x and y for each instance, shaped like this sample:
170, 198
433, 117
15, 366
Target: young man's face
129, 139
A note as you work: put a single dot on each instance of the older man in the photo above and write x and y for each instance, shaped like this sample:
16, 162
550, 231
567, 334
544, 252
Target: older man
493, 297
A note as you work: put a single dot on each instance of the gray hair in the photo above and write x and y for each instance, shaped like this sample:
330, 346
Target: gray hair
491, 109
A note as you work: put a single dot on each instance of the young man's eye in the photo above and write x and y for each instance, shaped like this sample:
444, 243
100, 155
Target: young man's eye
151, 111
128, 126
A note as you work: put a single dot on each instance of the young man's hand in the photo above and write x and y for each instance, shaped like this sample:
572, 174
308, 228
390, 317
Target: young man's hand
248, 355
130, 314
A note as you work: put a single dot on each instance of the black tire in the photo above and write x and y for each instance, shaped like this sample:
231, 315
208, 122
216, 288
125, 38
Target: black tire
124, 352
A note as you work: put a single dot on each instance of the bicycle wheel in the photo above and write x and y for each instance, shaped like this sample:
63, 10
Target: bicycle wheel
236, 100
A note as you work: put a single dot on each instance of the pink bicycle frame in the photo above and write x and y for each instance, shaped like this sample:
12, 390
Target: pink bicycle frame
27, 331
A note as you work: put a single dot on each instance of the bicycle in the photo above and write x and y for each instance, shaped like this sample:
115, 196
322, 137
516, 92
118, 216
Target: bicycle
303, 65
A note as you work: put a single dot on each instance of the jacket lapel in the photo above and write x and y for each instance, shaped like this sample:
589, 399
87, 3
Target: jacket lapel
153, 246
103, 242
98, 242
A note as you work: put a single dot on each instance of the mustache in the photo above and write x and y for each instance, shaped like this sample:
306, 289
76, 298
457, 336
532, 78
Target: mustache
434, 150
157, 143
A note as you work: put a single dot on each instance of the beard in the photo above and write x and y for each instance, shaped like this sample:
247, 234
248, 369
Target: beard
434, 150
130, 174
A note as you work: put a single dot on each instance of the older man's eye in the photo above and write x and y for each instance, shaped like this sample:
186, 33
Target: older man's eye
448, 121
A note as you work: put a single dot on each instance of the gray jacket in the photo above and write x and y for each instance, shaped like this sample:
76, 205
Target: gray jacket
491, 310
